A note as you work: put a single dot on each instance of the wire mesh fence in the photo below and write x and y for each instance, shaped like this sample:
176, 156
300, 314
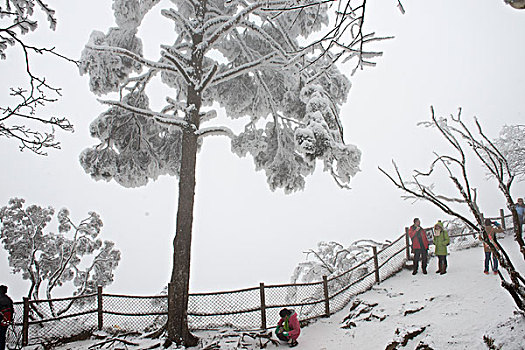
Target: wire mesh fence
123, 313
254, 308
237, 309
351, 283
14, 331
44, 321
392, 259
307, 299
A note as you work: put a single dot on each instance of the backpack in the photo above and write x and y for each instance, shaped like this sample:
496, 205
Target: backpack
7, 317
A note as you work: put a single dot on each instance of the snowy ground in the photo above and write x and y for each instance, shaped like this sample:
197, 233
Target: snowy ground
456, 311
459, 308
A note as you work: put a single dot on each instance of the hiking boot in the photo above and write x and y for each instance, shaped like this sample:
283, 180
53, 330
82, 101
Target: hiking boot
294, 343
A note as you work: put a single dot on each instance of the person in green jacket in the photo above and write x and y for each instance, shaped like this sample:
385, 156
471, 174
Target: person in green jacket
441, 241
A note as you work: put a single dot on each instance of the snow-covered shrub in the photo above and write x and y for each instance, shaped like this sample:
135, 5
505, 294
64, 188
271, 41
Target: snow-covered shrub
331, 259
75, 254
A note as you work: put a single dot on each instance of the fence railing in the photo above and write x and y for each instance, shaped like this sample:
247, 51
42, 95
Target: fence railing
42, 321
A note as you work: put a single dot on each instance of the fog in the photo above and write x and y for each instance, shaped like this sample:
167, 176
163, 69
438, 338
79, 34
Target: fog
448, 54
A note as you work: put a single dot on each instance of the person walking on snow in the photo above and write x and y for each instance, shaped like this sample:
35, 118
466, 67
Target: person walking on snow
520, 209
491, 232
6, 314
288, 328
419, 245
441, 241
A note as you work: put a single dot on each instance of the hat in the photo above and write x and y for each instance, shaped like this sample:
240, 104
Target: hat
285, 312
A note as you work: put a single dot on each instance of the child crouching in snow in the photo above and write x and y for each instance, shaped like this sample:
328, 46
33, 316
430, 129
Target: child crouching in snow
441, 241
288, 328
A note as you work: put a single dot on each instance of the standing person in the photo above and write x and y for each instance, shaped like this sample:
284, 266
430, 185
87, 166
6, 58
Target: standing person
419, 245
520, 208
441, 241
288, 328
6, 314
491, 232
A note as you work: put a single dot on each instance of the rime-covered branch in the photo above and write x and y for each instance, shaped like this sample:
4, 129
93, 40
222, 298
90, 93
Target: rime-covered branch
15, 116
460, 138
166, 119
214, 130
176, 67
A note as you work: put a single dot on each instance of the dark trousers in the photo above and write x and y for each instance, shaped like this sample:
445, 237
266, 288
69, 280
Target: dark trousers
3, 331
282, 337
420, 254
494, 262
442, 263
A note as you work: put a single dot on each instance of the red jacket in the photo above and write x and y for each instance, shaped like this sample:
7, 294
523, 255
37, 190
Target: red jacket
412, 231
293, 325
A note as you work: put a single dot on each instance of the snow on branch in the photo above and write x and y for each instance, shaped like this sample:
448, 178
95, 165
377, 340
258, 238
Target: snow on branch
267, 38
205, 81
419, 191
18, 21
232, 22
239, 70
152, 64
215, 130
178, 18
166, 119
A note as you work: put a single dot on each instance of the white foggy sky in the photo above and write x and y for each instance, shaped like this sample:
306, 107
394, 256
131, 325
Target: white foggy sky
445, 53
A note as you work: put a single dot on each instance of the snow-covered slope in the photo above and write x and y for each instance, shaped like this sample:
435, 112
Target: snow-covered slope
458, 309
452, 311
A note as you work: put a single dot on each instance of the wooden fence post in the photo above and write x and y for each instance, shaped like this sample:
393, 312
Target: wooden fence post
376, 264
502, 218
326, 297
99, 308
25, 323
407, 241
263, 306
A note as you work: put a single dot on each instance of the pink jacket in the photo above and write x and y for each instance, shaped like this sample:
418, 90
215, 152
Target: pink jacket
293, 324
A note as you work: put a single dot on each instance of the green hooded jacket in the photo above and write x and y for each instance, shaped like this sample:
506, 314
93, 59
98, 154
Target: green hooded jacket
442, 241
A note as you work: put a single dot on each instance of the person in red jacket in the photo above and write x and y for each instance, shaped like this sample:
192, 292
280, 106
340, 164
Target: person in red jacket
6, 314
288, 328
419, 245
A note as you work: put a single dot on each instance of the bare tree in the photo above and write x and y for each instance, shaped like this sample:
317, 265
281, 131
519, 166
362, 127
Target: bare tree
346, 38
462, 139
19, 119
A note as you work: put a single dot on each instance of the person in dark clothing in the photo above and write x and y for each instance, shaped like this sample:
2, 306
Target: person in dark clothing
491, 232
419, 245
288, 328
6, 314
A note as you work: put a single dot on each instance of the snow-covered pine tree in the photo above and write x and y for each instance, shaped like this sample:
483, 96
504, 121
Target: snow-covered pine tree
241, 55
49, 260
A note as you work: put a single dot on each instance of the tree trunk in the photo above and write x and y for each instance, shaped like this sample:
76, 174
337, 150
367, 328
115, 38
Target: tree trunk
178, 330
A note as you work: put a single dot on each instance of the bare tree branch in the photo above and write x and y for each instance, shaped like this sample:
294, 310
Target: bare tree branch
461, 138
19, 120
